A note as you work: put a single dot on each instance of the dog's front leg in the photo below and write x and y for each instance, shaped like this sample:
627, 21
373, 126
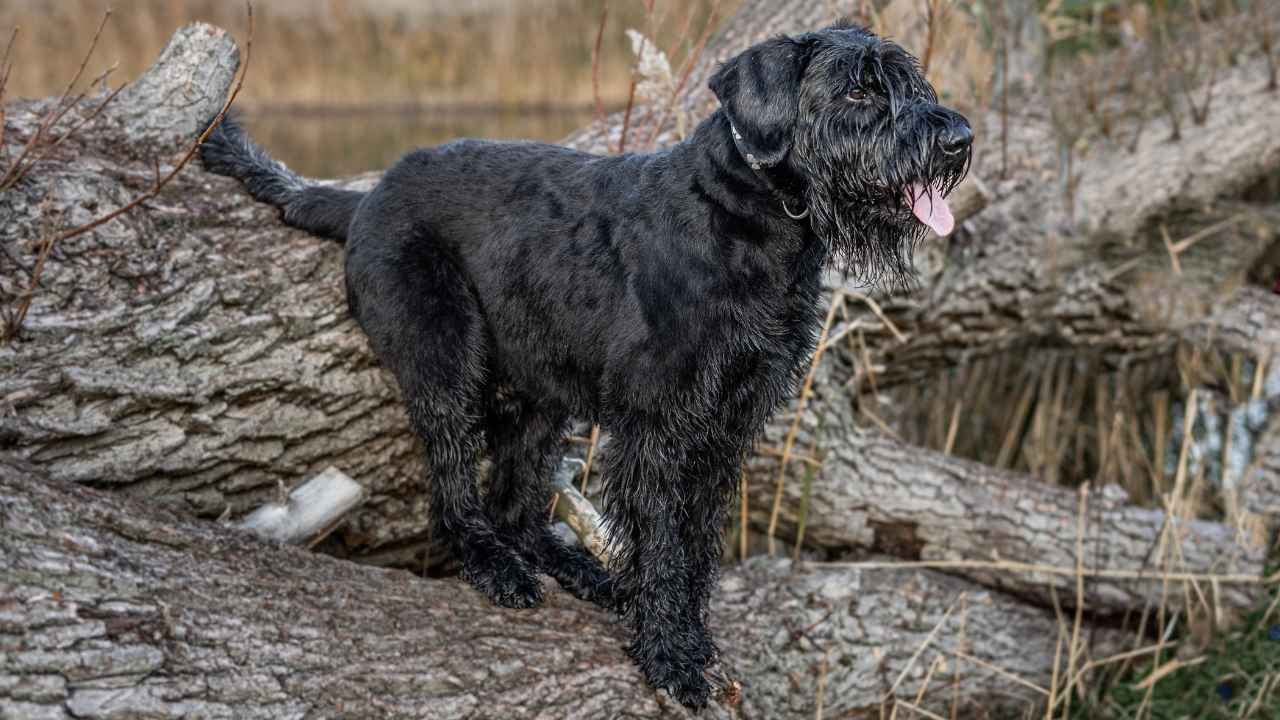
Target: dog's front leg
646, 508
710, 482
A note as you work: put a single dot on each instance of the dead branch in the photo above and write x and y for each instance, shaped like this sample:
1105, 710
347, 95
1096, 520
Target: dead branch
18, 168
14, 326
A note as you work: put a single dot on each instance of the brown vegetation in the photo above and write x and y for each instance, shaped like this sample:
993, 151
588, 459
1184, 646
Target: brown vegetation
533, 54
1081, 345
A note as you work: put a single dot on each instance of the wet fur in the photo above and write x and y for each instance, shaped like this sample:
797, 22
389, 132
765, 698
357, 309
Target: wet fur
667, 296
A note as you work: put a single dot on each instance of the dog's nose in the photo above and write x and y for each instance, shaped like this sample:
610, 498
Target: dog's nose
955, 138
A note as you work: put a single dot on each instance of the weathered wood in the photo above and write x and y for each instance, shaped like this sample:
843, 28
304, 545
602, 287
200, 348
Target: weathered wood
875, 493
308, 513
200, 353
1259, 494
112, 608
578, 513
169, 105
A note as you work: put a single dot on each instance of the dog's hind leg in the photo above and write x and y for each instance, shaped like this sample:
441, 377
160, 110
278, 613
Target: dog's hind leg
426, 327
525, 442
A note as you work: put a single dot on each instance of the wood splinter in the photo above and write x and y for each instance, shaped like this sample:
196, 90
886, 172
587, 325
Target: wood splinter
578, 513
309, 512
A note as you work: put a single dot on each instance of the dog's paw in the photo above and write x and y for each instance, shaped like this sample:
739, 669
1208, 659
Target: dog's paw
692, 691
682, 679
582, 576
705, 650
509, 584
597, 589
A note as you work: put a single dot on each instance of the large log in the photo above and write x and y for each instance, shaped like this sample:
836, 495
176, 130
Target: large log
961, 511
115, 608
200, 353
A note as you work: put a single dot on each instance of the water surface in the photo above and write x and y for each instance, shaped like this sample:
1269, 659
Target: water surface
326, 145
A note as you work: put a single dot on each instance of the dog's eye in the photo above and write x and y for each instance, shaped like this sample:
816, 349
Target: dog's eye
856, 96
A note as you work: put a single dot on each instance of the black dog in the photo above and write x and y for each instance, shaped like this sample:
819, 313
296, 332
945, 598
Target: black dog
671, 297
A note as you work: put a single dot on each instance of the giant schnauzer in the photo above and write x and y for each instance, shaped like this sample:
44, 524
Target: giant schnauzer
672, 297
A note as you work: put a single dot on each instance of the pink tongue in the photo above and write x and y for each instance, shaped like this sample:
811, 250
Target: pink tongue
931, 209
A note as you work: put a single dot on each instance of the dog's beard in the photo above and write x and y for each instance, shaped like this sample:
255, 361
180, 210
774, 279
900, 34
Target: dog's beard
873, 217
870, 240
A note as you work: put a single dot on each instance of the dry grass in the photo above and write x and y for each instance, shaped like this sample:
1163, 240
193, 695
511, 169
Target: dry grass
947, 35
1080, 684
1145, 423
540, 54
1068, 418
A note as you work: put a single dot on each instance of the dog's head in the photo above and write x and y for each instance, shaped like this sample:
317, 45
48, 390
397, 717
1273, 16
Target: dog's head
850, 118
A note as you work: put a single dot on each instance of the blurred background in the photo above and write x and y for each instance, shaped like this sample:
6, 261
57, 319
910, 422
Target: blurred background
342, 86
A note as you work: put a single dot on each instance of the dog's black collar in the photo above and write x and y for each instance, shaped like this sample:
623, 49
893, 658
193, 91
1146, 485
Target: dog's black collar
752, 160
754, 163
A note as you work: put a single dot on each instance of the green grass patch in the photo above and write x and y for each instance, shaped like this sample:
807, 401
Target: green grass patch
1236, 676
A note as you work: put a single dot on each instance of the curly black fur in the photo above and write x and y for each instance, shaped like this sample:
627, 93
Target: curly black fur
672, 297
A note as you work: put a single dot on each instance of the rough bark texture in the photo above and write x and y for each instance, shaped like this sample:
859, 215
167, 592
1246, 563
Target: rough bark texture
1260, 493
111, 608
168, 106
960, 510
876, 493
198, 352
196, 349
1248, 323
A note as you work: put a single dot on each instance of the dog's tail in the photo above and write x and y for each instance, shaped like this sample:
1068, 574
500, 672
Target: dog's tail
320, 210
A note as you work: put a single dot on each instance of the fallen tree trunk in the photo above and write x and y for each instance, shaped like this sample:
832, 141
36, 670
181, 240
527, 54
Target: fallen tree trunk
111, 608
950, 510
200, 353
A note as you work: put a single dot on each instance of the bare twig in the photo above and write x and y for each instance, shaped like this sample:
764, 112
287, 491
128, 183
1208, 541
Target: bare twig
5, 70
20, 166
1001, 672
1022, 567
1074, 651
684, 74
595, 61
928, 640
803, 402
15, 324
20, 172
683, 35
5, 67
626, 116
591, 456
1004, 89
88, 118
1267, 40
934, 11
822, 682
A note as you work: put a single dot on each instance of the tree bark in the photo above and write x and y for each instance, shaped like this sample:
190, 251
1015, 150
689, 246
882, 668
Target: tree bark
112, 608
200, 353
875, 493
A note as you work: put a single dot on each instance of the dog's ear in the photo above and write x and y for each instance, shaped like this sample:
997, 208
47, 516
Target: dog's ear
759, 89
